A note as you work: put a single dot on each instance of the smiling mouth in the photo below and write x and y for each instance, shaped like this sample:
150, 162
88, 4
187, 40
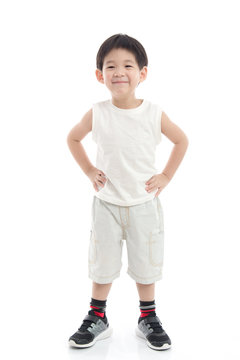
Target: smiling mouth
120, 82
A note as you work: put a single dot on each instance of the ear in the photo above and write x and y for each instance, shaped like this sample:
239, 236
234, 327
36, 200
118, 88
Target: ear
99, 76
143, 73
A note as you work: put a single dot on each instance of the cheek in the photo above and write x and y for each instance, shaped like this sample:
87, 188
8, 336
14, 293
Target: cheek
135, 77
108, 77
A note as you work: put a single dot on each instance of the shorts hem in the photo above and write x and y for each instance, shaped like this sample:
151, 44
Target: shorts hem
103, 279
142, 280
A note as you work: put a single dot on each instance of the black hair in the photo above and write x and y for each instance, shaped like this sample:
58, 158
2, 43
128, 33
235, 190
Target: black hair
125, 42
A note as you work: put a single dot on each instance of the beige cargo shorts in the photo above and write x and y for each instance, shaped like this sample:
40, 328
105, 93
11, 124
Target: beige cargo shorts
141, 226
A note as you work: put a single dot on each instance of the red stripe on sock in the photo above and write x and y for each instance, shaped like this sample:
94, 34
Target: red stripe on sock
99, 314
146, 312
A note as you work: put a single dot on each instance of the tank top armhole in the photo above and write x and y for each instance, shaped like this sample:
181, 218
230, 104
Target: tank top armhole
158, 125
94, 128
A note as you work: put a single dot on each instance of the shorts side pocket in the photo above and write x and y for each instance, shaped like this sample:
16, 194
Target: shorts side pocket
92, 250
160, 215
156, 248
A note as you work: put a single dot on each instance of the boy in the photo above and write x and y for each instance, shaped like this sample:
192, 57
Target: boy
126, 205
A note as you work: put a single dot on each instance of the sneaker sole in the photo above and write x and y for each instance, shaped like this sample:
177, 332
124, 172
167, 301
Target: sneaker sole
103, 335
163, 347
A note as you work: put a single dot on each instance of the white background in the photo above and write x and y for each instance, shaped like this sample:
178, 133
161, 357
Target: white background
48, 82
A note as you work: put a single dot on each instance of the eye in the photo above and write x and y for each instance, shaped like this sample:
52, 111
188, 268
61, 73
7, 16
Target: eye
110, 67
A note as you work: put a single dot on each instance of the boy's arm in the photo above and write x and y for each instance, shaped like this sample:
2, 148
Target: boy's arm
178, 137
74, 138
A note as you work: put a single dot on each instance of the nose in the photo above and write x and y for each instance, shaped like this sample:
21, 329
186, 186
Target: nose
118, 72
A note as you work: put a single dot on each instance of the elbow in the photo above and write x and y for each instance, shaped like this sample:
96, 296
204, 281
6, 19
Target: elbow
71, 140
186, 142
183, 140
68, 139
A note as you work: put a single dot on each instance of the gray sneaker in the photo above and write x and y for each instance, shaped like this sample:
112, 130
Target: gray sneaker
93, 328
150, 329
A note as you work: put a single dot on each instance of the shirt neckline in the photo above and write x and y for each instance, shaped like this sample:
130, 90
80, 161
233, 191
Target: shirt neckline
132, 110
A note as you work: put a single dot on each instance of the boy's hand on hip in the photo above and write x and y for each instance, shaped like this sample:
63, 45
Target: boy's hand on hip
97, 177
158, 181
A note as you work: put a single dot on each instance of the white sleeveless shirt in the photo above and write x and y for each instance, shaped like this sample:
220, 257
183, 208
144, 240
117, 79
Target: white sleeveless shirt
126, 143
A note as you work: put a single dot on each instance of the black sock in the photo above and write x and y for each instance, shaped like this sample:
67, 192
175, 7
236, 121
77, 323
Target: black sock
147, 308
98, 307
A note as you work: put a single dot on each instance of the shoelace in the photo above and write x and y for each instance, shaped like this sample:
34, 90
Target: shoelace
156, 326
87, 323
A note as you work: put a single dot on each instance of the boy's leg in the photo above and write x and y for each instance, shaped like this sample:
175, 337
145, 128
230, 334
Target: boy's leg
146, 291
100, 291
149, 324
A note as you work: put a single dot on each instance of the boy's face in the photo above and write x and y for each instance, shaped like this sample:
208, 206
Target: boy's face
121, 73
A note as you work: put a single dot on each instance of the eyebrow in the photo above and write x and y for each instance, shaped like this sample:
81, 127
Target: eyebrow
127, 60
